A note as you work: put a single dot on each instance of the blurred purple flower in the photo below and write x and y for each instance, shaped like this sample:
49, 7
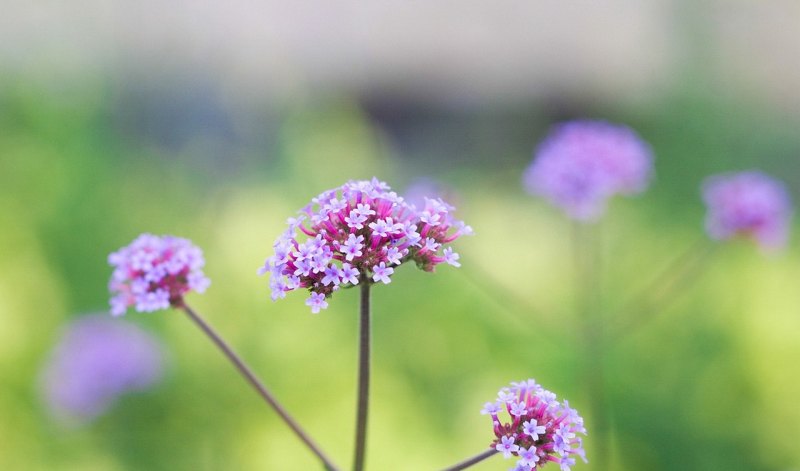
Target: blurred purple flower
154, 273
425, 187
356, 233
97, 360
539, 430
583, 163
750, 204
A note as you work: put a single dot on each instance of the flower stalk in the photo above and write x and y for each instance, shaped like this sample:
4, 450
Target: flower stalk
587, 250
251, 378
364, 354
472, 460
657, 296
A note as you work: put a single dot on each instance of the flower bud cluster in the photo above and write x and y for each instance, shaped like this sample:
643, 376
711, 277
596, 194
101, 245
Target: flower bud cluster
154, 273
359, 233
540, 429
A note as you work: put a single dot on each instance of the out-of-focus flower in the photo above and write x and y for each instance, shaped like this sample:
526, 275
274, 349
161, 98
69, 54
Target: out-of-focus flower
539, 430
581, 164
356, 234
749, 204
425, 187
155, 273
97, 360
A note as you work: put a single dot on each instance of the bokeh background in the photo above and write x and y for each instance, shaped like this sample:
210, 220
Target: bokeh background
216, 121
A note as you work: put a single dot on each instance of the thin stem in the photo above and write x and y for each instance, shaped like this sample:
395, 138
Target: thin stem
510, 302
251, 378
656, 296
588, 257
471, 461
363, 377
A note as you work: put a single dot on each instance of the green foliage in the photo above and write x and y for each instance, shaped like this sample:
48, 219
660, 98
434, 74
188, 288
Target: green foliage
706, 384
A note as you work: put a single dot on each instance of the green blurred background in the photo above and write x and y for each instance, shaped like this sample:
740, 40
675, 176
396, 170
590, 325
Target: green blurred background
217, 122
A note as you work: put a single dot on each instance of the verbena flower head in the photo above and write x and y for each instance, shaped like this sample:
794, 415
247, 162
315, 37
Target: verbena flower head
97, 360
749, 204
155, 273
359, 233
529, 423
581, 164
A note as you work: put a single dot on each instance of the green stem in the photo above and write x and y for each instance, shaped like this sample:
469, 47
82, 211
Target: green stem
472, 461
251, 378
516, 309
364, 348
659, 293
587, 251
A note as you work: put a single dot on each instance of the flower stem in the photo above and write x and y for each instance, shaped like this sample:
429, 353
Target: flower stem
513, 307
657, 295
251, 378
363, 377
471, 461
588, 258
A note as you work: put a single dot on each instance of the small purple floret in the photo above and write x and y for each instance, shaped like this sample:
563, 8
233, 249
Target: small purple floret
528, 456
316, 302
507, 446
381, 273
533, 429
517, 409
491, 408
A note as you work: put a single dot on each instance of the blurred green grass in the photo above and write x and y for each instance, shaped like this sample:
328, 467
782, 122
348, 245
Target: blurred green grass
707, 385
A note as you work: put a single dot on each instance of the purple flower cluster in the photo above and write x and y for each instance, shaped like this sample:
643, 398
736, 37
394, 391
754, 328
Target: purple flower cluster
583, 163
358, 233
541, 429
750, 204
97, 360
154, 273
